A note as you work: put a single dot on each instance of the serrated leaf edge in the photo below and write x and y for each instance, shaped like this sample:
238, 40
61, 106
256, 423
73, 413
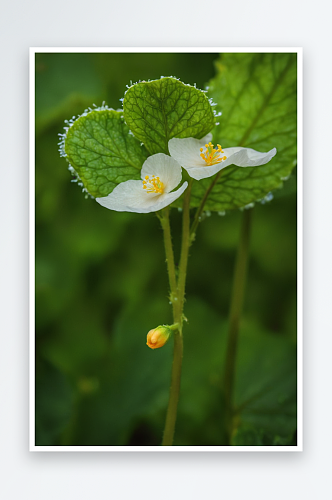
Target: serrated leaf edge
69, 123
210, 99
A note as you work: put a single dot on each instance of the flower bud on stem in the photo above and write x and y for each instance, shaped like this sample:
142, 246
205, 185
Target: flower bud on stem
157, 337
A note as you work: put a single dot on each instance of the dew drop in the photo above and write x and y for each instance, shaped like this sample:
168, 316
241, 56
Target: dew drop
248, 206
267, 198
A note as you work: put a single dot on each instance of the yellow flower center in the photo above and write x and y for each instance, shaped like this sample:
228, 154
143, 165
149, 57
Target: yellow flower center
153, 184
212, 155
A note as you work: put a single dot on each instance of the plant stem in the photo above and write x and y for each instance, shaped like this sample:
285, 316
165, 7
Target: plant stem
184, 245
177, 299
202, 203
164, 219
174, 391
239, 281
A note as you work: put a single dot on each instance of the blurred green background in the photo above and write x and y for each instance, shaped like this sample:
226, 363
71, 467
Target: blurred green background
101, 285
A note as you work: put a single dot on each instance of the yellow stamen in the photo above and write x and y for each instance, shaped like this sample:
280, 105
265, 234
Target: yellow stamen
153, 185
212, 155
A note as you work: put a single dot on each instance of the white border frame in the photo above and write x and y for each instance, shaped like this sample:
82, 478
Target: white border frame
299, 447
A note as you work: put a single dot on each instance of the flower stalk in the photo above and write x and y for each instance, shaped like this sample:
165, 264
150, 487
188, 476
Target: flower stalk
239, 282
201, 206
177, 299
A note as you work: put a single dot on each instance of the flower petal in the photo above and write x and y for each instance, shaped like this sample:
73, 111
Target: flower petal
130, 196
165, 167
125, 195
247, 157
187, 151
241, 157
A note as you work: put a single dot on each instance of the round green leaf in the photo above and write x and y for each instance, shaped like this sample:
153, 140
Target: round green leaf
100, 148
159, 110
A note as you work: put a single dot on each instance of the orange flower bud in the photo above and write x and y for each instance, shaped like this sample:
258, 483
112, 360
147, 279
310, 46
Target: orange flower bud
158, 336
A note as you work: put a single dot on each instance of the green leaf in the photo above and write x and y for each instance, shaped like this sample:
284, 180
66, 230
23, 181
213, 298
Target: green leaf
100, 148
161, 109
265, 392
265, 383
248, 435
256, 94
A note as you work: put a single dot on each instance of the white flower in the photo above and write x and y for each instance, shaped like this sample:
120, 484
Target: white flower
160, 174
200, 164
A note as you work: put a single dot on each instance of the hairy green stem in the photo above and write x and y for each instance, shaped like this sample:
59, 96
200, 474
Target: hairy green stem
239, 281
164, 219
174, 391
185, 245
177, 299
201, 205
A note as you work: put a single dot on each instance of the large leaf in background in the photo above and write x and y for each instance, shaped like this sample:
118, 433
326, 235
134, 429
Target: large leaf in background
256, 94
265, 395
100, 148
161, 109
265, 388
